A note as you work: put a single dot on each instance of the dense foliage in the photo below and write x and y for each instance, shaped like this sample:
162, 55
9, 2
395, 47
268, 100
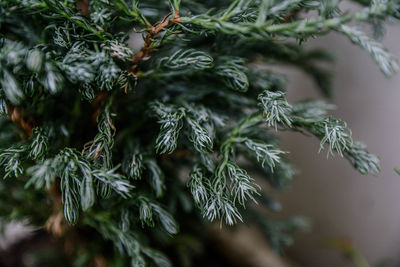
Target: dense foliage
127, 146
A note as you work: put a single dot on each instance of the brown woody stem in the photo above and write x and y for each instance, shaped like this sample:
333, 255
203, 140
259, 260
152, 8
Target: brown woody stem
148, 40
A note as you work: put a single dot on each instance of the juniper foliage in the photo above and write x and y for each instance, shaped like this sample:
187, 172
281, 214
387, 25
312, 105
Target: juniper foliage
112, 131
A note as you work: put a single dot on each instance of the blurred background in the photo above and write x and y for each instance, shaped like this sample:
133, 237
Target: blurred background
340, 203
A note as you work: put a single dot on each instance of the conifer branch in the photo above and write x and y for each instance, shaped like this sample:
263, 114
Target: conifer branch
195, 143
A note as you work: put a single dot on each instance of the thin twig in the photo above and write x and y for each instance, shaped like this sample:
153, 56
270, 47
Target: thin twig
148, 40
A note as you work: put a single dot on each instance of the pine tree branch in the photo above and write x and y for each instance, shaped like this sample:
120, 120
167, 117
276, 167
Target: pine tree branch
211, 109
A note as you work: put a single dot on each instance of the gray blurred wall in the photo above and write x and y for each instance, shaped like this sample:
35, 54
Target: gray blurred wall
340, 202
